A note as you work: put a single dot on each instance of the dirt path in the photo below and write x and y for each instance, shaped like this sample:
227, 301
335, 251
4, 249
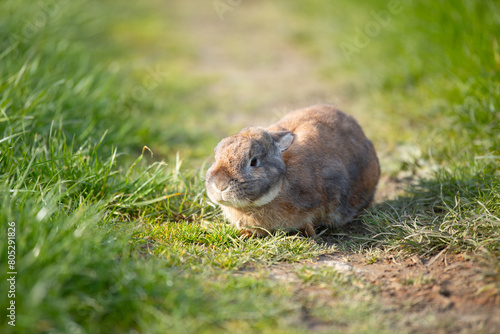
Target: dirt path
259, 76
449, 289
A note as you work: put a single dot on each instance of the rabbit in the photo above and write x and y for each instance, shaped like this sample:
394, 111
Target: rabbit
314, 167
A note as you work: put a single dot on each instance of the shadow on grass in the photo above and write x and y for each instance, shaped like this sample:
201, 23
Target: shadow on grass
452, 212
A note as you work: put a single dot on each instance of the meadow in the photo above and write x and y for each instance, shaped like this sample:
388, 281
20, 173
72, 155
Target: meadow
109, 113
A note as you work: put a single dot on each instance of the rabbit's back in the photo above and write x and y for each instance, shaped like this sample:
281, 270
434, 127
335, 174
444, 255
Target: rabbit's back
332, 168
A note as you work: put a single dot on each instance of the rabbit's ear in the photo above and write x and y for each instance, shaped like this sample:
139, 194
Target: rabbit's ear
282, 138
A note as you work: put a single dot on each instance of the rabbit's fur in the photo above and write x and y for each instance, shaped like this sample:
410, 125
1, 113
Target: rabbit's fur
313, 167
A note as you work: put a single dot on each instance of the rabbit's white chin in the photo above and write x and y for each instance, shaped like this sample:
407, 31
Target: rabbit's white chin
267, 198
245, 203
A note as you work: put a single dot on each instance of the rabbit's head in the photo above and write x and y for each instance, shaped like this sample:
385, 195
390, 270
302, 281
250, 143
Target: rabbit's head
248, 169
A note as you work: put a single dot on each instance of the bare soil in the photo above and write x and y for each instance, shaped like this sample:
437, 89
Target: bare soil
452, 288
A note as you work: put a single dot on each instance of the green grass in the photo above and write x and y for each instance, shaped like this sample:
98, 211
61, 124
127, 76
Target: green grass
88, 207
215, 245
111, 239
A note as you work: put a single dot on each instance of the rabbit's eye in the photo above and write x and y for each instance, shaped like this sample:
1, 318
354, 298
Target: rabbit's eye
254, 162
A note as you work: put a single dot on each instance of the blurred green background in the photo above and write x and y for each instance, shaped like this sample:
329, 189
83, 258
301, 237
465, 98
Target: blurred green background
113, 237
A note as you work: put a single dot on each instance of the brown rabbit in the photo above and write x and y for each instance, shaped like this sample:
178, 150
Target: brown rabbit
314, 167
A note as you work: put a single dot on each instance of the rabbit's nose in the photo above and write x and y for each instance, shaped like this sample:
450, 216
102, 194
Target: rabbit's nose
220, 187
218, 191
220, 183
